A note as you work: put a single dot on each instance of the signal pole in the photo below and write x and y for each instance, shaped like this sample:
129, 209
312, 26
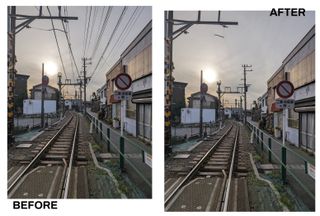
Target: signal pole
85, 78
245, 66
42, 97
201, 105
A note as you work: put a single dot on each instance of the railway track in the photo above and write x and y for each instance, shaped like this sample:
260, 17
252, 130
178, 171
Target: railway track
216, 182
58, 156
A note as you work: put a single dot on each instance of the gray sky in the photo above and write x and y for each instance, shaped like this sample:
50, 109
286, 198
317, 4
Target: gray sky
34, 46
259, 40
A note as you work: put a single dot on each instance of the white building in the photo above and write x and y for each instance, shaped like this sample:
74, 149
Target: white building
262, 104
102, 95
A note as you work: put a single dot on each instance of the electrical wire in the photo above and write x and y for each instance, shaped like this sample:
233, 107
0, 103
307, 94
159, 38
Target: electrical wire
103, 28
55, 36
110, 39
124, 34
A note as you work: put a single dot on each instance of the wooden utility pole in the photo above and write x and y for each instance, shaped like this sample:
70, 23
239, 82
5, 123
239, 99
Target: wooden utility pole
11, 70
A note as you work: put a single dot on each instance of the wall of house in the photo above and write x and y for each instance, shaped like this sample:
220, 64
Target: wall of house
110, 87
272, 83
130, 126
50, 93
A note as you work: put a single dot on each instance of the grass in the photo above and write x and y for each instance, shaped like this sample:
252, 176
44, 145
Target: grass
285, 197
96, 147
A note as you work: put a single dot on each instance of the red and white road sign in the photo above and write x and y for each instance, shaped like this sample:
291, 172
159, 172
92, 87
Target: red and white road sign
285, 89
204, 88
45, 80
123, 81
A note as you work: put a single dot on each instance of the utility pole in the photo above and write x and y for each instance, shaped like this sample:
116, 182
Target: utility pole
170, 35
14, 29
60, 95
245, 66
168, 79
11, 71
42, 97
219, 103
201, 104
85, 78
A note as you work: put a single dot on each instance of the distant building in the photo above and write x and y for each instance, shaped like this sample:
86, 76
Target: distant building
262, 104
101, 93
20, 91
178, 100
50, 93
209, 102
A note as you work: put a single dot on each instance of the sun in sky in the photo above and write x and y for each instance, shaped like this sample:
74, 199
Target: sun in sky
209, 75
50, 68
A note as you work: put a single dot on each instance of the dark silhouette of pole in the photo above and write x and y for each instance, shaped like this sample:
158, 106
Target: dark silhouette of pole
42, 97
201, 105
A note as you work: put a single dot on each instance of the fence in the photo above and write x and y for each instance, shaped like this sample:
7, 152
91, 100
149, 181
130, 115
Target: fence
296, 170
133, 158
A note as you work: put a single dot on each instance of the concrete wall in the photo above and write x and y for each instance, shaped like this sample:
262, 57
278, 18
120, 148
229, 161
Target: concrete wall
130, 126
192, 115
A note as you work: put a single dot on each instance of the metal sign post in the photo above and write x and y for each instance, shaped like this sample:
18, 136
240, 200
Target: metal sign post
284, 90
123, 82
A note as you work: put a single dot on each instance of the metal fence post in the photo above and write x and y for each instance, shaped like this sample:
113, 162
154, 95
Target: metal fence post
100, 130
261, 137
108, 140
284, 164
269, 143
97, 125
121, 153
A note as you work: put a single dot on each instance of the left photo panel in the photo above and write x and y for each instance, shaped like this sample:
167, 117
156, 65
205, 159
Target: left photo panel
79, 102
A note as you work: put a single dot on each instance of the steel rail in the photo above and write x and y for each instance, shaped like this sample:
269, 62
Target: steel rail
38, 156
68, 174
196, 167
225, 200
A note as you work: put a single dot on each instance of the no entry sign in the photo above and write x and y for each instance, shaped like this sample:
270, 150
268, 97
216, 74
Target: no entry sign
285, 89
123, 81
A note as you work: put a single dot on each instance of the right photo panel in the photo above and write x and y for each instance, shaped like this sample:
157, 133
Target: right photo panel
239, 110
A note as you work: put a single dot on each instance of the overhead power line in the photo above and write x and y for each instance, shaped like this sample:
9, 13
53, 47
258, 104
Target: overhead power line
55, 36
103, 28
87, 32
110, 39
70, 49
124, 34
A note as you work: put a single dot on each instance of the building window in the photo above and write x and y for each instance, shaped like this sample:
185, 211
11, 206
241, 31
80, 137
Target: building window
144, 117
293, 119
307, 131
